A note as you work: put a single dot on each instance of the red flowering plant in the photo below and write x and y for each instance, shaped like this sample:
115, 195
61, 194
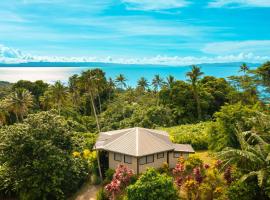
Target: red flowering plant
121, 178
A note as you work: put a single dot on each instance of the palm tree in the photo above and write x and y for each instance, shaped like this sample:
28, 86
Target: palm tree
74, 90
244, 68
88, 81
59, 94
143, 83
121, 81
170, 81
157, 82
194, 76
111, 87
252, 158
19, 103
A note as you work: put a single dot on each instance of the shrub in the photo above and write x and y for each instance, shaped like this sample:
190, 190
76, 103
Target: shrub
109, 174
95, 180
194, 134
38, 155
243, 190
101, 194
151, 186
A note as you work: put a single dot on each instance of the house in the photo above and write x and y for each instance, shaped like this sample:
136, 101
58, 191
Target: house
140, 148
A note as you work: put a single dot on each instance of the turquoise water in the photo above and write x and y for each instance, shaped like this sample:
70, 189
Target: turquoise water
132, 73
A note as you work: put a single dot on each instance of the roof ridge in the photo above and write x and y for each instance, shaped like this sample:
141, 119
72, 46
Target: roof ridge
118, 138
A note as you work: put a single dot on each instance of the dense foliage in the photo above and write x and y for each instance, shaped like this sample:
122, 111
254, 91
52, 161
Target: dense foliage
194, 134
47, 132
36, 160
160, 185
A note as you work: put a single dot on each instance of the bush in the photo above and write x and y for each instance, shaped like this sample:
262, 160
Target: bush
109, 175
152, 186
101, 194
222, 133
194, 134
243, 190
95, 180
38, 157
193, 162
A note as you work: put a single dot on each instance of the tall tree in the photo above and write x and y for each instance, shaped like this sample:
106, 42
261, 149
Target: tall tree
19, 103
194, 76
121, 81
244, 68
74, 90
59, 94
262, 75
88, 81
143, 84
157, 82
110, 87
170, 80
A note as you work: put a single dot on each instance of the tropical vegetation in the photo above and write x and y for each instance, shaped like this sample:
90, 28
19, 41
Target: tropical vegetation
48, 131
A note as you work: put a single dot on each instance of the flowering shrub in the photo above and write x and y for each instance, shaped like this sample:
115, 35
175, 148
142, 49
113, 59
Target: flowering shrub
198, 180
121, 178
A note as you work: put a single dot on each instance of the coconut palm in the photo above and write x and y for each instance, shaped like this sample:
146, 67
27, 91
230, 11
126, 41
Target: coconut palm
74, 90
59, 94
194, 76
110, 87
143, 84
170, 80
121, 81
157, 82
88, 81
244, 68
19, 103
253, 158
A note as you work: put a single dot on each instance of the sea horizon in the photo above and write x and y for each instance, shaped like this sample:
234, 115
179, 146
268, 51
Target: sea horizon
50, 74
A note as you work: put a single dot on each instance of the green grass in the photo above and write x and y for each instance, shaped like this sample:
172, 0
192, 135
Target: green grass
205, 156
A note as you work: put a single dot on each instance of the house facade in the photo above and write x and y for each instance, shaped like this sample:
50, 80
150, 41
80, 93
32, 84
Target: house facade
140, 148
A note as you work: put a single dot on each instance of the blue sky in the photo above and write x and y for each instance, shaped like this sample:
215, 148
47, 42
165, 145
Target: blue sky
135, 31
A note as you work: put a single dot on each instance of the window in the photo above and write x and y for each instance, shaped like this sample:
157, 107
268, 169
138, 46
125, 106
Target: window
117, 157
176, 154
128, 159
146, 159
142, 160
160, 155
150, 159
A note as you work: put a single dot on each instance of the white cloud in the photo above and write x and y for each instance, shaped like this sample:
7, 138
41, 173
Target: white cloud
9, 55
156, 5
237, 3
261, 47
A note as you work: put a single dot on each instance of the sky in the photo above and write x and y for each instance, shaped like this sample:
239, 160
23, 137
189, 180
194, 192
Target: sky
172, 32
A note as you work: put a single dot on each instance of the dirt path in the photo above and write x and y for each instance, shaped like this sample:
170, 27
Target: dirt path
87, 192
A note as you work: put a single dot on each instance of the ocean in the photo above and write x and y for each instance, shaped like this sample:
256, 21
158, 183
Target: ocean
131, 72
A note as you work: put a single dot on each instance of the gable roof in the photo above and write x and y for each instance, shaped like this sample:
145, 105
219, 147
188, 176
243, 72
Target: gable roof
135, 141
